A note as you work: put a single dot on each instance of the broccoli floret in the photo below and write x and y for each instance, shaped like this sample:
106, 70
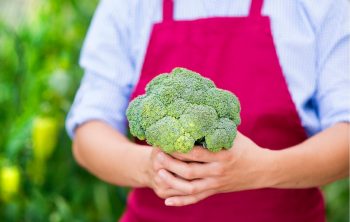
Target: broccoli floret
221, 135
151, 110
134, 117
177, 108
181, 109
156, 81
197, 120
225, 103
164, 133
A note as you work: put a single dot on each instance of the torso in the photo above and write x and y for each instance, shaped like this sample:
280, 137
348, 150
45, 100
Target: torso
239, 55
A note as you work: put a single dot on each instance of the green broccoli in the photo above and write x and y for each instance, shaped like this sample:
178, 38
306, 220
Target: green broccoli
182, 109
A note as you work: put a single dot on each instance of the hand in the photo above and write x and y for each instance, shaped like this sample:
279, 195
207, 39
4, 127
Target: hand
153, 176
242, 167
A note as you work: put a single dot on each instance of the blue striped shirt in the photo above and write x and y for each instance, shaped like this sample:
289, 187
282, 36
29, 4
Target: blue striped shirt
311, 38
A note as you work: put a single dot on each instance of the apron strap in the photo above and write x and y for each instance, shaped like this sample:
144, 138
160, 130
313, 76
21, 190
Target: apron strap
168, 10
255, 8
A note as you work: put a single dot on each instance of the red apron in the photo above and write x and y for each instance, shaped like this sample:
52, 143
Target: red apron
239, 55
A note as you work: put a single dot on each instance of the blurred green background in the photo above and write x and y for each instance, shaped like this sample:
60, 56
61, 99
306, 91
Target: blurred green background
40, 42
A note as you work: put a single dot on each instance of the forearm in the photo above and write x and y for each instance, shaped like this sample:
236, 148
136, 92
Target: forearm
319, 160
110, 155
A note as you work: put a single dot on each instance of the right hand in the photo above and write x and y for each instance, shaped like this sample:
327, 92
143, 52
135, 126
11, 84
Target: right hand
154, 169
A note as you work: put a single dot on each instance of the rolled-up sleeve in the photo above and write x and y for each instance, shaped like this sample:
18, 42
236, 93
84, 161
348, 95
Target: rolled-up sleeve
108, 70
333, 84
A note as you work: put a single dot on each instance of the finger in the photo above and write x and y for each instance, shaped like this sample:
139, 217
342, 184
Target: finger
187, 187
155, 151
166, 193
186, 200
188, 171
175, 182
198, 154
163, 190
163, 185
156, 164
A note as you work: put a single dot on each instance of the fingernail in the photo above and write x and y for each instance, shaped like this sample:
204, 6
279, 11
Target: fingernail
169, 202
161, 157
161, 173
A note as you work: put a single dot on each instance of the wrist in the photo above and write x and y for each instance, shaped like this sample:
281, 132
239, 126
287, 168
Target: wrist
269, 168
142, 163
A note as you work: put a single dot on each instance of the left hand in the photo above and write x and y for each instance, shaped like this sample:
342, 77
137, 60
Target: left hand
201, 173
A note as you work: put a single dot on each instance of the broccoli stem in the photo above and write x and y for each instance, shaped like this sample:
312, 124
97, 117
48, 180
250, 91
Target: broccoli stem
201, 142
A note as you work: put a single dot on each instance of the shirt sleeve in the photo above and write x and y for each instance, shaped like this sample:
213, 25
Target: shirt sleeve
333, 83
108, 69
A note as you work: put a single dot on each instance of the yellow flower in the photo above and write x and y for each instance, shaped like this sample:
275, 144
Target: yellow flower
9, 182
45, 133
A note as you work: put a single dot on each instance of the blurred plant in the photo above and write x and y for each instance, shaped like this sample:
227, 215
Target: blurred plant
337, 200
39, 74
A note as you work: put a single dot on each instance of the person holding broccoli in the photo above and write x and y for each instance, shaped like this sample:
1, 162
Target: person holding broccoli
287, 63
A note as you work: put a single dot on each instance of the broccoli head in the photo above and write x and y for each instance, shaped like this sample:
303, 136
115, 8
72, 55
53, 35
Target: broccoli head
181, 109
